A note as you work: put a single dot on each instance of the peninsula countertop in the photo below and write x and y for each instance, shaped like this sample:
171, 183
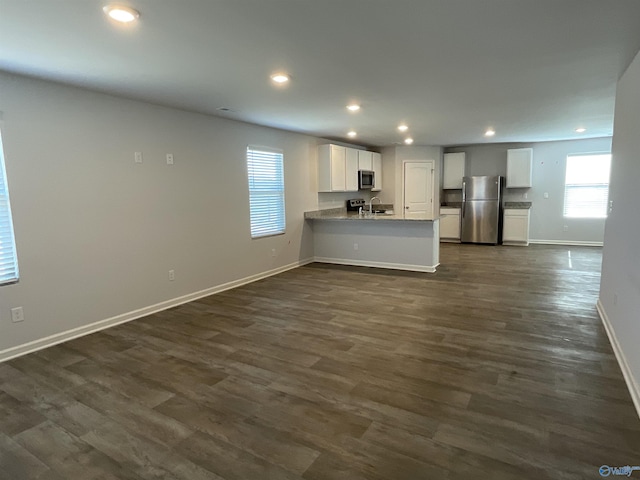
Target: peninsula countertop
341, 214
381, 240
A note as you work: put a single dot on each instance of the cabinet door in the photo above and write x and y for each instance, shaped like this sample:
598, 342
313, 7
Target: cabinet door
377, 168
519, 167
516, 227
324, 168
351, 170
338, 168
453, 170
450, 226
365, 160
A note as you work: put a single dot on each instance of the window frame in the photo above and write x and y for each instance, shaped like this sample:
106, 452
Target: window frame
259, 228
568, 208
7, 213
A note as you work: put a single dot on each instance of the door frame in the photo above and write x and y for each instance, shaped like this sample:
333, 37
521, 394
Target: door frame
433, 177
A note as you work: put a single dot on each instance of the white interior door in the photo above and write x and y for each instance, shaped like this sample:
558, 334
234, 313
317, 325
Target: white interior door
418, 189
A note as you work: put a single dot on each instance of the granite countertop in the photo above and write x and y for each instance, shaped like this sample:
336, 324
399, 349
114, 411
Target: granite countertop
520, 205
343, 215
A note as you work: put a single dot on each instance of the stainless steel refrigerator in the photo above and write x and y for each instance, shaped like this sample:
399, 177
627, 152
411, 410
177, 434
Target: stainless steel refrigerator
481, 210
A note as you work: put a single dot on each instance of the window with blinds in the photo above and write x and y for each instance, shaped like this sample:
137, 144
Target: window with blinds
586, 186
8, 258
266, 191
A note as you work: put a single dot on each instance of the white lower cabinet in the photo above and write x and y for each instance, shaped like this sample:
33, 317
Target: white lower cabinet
450, 224
515, 229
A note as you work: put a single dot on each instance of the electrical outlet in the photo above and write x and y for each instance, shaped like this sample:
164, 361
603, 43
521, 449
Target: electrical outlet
546, 195
525, 195
355, 246
565, 228
273, 252
138, 157
17, 314
169, 158
172, 275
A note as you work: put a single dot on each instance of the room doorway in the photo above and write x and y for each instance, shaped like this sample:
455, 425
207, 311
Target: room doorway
418, 188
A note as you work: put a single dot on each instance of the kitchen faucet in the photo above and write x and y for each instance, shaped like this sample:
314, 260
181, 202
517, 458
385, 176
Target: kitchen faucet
371, 204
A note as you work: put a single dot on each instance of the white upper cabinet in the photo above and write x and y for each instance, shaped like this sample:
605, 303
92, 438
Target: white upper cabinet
337, 170
519, 167
351, 170
377, 169
365, 160
453, 170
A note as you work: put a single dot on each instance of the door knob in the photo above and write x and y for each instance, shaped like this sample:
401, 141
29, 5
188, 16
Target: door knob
406, 208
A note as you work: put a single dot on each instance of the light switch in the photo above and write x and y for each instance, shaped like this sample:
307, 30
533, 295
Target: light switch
546, 195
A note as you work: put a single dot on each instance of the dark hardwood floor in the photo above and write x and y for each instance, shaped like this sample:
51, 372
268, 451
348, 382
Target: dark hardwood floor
495, 367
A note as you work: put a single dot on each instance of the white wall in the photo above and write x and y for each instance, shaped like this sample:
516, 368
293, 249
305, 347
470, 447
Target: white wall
549, 165
96, 234
620, 284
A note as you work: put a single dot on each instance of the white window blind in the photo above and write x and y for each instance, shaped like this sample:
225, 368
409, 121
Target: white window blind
8, 258
266, 191
586, 186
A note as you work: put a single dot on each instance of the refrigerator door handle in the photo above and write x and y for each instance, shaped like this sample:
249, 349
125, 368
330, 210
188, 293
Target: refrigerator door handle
464, 196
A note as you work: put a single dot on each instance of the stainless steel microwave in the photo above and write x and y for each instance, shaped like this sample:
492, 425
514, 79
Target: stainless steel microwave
366, 179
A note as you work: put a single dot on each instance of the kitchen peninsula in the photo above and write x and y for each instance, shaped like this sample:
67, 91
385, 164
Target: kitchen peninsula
378, 240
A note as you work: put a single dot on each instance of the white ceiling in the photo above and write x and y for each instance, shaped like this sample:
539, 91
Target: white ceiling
532, 69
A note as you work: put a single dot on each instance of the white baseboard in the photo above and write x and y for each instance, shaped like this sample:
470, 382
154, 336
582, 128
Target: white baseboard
364, 263
575, 243
67, 335
632, 384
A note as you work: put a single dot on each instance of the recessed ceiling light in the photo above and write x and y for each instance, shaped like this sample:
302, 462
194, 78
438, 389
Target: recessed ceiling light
490, 132
352, 133
354, 107
408, 141
403, 128
121, 13
581, 130
280, 77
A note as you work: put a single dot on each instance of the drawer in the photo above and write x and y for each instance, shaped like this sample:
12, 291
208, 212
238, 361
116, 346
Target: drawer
449, 211
516, 212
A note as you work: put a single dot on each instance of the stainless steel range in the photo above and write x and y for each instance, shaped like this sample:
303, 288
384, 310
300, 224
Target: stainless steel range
355, 204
